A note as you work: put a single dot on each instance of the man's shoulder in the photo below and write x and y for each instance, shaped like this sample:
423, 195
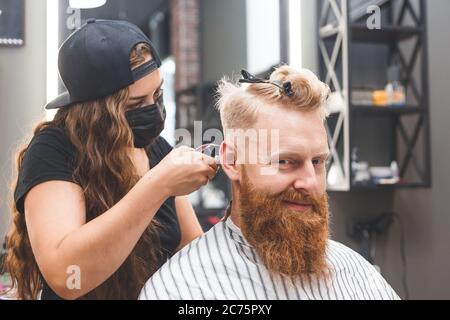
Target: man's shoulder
345, 260
350, 265
211, 238
341, 255
188, 255
178, 277
339, 246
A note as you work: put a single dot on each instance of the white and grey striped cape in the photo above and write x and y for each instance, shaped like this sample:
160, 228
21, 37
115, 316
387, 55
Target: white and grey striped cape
222, 265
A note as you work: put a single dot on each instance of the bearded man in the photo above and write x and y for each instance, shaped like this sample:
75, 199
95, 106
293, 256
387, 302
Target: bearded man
274, 241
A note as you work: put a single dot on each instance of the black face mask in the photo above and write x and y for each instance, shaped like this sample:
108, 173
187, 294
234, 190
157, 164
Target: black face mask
146, 122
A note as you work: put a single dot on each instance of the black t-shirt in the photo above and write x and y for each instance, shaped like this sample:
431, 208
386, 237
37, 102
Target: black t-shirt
51, 156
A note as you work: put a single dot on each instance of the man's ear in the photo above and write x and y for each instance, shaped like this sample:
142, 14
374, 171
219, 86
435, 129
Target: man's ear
228, 156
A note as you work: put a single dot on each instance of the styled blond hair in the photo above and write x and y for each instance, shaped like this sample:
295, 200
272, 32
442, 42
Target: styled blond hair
239, 104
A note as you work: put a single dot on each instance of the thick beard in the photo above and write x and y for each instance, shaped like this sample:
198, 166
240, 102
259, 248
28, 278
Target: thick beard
288, 242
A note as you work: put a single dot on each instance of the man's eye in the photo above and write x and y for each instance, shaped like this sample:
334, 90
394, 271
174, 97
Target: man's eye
285, 162
318, 162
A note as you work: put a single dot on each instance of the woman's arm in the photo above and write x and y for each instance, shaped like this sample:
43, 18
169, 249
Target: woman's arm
189, 225
61, 239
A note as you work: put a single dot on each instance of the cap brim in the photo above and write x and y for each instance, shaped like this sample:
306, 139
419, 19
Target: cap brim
145, 69
63, 100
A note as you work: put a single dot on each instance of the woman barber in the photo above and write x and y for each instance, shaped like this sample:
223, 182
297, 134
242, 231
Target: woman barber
100, 198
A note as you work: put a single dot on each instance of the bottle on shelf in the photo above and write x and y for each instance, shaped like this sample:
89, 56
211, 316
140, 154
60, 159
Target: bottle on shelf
394, 89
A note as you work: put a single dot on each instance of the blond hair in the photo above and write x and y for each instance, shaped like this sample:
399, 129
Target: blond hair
239, 104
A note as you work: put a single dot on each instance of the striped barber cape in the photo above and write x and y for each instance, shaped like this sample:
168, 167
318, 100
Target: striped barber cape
222, 265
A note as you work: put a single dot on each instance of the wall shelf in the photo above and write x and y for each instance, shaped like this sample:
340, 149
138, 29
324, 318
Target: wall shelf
353, 56
404, 185
405, 110
386, 34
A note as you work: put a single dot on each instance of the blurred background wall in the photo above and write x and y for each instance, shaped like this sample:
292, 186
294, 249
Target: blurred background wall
22, 96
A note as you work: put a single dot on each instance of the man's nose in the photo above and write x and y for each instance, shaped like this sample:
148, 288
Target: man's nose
306, 179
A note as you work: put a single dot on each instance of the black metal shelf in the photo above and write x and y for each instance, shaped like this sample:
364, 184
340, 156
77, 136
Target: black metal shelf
402, 185
387, 34
395, 111
353, 56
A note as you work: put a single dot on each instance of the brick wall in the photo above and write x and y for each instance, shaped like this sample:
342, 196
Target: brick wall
185, 44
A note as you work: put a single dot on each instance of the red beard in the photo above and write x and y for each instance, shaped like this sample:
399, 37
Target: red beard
288, 242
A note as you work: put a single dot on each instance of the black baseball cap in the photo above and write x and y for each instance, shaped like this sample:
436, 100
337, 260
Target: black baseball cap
94, 62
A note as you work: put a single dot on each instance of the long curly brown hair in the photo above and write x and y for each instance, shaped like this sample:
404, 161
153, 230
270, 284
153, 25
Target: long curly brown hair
102, 138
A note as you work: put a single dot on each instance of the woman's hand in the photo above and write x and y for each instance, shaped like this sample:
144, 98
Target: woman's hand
185, 170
